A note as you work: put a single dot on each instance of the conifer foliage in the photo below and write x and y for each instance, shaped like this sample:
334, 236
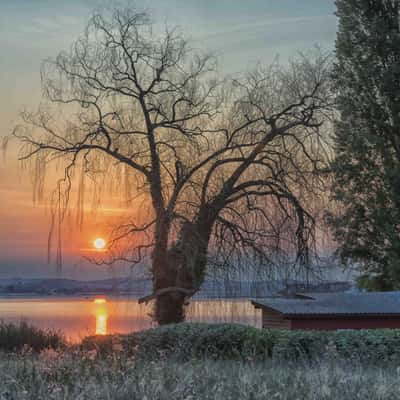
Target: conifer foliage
367, 139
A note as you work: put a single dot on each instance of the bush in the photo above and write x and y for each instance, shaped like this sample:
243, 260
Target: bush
189, 341
16, 336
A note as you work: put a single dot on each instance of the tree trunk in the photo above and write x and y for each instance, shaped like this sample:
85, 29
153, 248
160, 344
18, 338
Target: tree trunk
184, 268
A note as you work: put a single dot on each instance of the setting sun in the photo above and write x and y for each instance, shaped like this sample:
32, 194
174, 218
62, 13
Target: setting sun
99, 243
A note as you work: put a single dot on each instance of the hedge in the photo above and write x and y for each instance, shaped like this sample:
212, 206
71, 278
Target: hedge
188, 341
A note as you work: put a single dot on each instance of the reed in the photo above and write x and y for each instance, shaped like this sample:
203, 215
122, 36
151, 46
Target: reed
14, 337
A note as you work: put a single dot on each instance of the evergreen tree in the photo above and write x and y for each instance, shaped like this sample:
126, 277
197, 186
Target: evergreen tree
367, 140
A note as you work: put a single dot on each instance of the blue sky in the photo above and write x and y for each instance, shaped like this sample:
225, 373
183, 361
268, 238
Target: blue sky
241, 33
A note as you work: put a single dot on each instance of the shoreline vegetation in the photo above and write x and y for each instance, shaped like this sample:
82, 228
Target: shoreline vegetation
200, 361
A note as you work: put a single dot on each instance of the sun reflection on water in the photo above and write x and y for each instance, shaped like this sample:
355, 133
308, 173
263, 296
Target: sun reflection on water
101, 324
101, 316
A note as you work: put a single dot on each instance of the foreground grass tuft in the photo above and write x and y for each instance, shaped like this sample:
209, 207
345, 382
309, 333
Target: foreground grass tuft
14, 337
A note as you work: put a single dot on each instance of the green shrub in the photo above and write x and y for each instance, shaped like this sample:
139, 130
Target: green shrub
16, 336
197, 340
230, 341
188, 341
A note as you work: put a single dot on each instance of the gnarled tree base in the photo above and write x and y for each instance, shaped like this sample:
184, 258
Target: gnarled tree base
170, 308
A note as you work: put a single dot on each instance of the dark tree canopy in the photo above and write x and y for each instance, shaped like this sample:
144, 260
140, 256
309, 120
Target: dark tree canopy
367, 139
227, 166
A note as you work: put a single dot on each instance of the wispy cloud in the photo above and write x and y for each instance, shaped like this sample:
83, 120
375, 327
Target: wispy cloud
43, 25
229, 29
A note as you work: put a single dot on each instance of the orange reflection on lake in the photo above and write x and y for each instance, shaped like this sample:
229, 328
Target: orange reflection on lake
101, 316
101, 324
80, 317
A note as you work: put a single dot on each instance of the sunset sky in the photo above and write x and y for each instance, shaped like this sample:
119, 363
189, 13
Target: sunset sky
240, 32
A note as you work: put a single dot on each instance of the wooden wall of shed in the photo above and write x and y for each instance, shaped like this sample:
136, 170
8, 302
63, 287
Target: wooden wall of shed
271, 319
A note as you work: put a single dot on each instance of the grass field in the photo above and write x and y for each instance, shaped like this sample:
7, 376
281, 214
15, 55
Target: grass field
75, 374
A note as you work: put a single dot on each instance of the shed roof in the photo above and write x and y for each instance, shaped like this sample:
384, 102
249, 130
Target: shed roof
338, 304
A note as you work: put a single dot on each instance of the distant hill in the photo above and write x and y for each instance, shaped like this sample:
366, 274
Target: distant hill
141, 287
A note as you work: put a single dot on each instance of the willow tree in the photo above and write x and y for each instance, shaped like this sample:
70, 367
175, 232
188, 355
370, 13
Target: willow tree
219, 159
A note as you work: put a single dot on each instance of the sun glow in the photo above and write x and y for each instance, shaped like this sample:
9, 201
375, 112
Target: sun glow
99, 243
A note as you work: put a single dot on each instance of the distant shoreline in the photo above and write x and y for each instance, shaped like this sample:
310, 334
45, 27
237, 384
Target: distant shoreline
126, 288
114, 297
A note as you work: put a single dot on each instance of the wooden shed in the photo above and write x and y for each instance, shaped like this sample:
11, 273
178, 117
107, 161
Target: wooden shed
331, 311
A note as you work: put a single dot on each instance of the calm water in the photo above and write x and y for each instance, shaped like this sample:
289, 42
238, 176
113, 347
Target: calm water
78, 317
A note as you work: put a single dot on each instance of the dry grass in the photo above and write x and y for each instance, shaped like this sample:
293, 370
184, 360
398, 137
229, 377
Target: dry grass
73, 374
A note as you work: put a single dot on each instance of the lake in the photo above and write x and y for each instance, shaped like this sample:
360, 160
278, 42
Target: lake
79, 317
